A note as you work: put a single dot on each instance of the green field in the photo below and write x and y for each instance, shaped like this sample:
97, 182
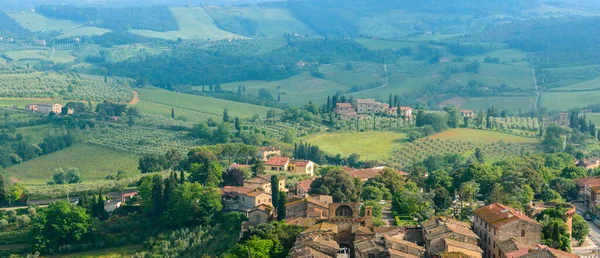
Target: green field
592, 84
84, 31
38, 22
21, 102
299, 89
481, 136
566, 100
94, 163
371, 145
376, 44
124, 52
194, 108
510, 103
508, 55
64, 86
41, 54
498, 74
35, 134
594, 117
62, 57
273, 22
194, 23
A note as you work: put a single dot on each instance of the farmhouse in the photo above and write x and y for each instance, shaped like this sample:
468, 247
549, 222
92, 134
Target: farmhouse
497, 223
467, 113
590, 163
405, 112
264, 183
242, 199
367, 106
277, 164
562, 120
267, 151
303, 167
258, 215
45, 108
345, 111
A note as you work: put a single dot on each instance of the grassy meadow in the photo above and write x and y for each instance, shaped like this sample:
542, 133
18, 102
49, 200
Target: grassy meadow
194, 23
567, 100
510, 103
160, 102
392, 147
93, 162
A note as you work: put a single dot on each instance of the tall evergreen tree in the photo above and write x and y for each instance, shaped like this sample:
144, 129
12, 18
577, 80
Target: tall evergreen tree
275, 190
181, 176
328, 107
173, 113
102, 214
225, 115
282, 200
390, 101
2, 190
157, 197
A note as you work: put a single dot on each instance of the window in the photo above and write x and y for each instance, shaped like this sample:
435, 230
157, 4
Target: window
522, 233
371, 255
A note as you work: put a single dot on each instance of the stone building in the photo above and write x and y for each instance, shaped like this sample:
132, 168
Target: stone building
263, 183
496, 223
535, 208
444, 235
367, 106
267, 151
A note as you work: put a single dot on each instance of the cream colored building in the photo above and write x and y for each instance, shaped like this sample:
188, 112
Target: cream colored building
264, 183
49, 108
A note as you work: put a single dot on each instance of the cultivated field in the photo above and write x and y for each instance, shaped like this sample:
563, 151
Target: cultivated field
194, 23
510, 103
38, 22
386, 44
65, 86
371, 145
38, 54
593, 84
565, 101
198, 104
394, 148
94, 163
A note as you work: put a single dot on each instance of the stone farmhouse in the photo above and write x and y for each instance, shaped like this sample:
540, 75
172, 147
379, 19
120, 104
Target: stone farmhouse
563, 120
263, 183
495, 224
467, 113
284, 164
242, 199
447, 235
361, 108
45, 108
267, 151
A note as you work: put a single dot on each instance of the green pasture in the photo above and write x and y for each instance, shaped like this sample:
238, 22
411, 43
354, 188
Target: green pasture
84, 31
593, 84
194, 23
37, 22
370, 145
482, 136
511, 103
29, 54
274, 22
566, 100
205, 105
94, 163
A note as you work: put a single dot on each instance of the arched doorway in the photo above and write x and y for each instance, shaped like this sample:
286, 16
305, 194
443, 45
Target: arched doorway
344, 211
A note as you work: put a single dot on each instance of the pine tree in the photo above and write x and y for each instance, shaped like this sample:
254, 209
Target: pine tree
282, 200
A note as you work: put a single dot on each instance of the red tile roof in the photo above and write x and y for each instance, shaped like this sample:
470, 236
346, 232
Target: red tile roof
344, 105
130, 194
498, 215
363, 174
540, 251
301, 163
277, 161
305, 184
235, 189
591, 181
405, 108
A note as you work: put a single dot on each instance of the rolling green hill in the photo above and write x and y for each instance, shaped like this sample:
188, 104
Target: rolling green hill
194, 108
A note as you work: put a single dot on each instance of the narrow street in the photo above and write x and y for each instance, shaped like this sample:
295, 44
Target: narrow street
387, 216
594, 237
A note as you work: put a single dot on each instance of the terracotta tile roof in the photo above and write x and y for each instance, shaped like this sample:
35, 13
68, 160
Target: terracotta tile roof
403, 242
591, 181
301, 163
235, 189
277, 161
259, 180
452, 242
468, 111
302, 222
539, 251
262, 207
324, 242
323, 226
308, 252
396, 253
343, 105
129, 194
462, 230
497, 215
255, 193
305, 184
405, 108
454, 255
509, 246
595, 189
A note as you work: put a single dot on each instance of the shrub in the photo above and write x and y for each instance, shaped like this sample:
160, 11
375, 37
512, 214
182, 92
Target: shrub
3, 223
23, 221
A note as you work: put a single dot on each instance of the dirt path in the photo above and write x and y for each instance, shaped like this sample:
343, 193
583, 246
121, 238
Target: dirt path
136, 98
387, 81
387, 216
537, 90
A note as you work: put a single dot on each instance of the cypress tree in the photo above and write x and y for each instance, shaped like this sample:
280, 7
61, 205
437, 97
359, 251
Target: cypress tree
281, 206
102, 214
182, 177
390, 101
2, 190
329, 104
275, 190
157, 196
173, 113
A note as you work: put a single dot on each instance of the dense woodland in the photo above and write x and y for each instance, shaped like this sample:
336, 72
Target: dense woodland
157, 18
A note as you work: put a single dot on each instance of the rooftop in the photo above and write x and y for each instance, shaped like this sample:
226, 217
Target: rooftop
365, 101
269, 148
498, 215
305, 184
277, 161
255, 193
235, 189
344, 105
323, 226
301, 163
452, 242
